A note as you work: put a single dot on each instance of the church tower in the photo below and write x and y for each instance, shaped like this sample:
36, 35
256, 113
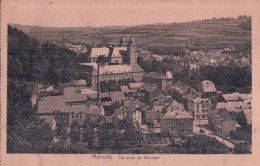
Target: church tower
131, 51
122, 41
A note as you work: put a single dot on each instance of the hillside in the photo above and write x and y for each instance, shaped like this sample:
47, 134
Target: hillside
205, 33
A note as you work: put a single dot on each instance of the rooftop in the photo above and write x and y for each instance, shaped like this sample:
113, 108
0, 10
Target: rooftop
114, 69
208, 86
96, 52
177, 114
117, 50
237, 96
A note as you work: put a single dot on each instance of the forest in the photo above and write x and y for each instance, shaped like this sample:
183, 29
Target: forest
29, 61
228, 79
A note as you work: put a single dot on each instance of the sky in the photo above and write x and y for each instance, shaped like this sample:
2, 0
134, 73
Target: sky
99, 13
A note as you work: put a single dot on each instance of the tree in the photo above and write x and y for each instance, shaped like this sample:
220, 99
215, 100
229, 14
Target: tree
88, 132
103, 59
103, 133
241, 119
61, 131
74, 132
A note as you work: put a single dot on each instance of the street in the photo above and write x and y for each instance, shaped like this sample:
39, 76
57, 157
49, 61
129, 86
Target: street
197, 126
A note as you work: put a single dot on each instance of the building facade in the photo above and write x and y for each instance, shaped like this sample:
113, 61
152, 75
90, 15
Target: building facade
122, 65
177, 123
200, 108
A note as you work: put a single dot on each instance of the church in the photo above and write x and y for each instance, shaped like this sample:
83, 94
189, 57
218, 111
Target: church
122, 64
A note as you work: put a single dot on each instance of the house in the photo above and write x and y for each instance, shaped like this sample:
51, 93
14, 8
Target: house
151, 95
234, 105
177, 123
222, 121
178, 92
236, 96
207, 89
199, 107
134, 112
82, 112
160, 80
77, 48
164, 104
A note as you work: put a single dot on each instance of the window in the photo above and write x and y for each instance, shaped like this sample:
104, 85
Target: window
197, 105
72, 116
203, 116
77, 116
207, 110
80, 116
203, 105
197, 111
203, 111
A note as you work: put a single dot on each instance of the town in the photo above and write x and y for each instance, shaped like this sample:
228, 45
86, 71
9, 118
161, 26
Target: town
124, 97
156, 103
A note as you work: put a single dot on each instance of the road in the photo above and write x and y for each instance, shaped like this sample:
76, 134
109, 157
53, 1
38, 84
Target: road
202, 125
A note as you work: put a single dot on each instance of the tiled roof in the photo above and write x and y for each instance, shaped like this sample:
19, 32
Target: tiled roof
175, 106
88, 91
221, 105
49, 104
115, 96
114, 69
136, 68
208, 86
117, 50
237, 96
234, 106
155, 75
135, 85
86, 109
96, 52
177, 114
80, 82
125, 89
134, 105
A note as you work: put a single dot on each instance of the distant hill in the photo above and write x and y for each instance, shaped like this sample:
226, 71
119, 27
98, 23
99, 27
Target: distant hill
204, 33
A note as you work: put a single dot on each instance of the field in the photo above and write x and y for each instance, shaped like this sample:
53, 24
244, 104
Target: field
205, 33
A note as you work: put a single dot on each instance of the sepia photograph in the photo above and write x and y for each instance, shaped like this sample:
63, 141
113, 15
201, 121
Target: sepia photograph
128, 77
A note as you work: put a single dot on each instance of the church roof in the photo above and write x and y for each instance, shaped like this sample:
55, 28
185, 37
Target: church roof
117, 50
115, 69
96, 52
